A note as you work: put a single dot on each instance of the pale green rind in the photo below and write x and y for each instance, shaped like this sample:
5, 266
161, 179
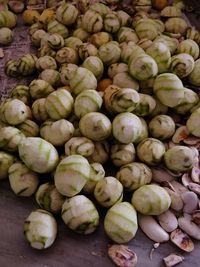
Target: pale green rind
39, 155
193, 123
71, 175
151, 200
59, 104
6, 160
194, 77
134, 175
146, 63
117, 217
87, 101
80, 214
150, 151
23, 181
95, 126
122, 154
189, 101
179, 158
57, 132
83, 79
109, 53
108, 191
40, 229
126, 127
10, 138
162, 127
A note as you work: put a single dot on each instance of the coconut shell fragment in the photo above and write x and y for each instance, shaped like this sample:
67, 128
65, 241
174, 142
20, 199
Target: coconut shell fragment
172, 259
182, 240
122, 256
194, 187
196, 217
1, 53
195, 175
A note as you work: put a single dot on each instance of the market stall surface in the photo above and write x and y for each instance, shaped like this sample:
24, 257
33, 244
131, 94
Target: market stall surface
70, 249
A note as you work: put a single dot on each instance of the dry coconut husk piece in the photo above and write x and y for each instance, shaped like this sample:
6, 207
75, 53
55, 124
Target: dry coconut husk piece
172, 259
122, 256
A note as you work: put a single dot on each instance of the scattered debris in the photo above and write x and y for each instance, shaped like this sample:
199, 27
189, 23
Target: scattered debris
188, 226
155, 245
151, 253
1, 53
194, 187
180, 134
98, 254
196, 217
185, 179
122, 256
195, 175
182, 240
172, 259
